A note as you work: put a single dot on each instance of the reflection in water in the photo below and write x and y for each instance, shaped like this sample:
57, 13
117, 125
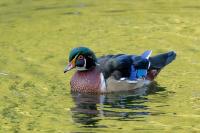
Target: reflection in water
89, 109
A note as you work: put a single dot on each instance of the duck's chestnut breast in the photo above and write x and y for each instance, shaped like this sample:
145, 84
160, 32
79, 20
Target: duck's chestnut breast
86, 81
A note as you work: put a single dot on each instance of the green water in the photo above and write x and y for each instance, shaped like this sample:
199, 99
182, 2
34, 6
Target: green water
36, 36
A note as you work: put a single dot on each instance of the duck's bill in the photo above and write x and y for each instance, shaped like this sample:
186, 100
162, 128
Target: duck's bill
69, 67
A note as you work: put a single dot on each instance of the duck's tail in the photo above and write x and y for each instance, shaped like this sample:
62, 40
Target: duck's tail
161, 60
158, 62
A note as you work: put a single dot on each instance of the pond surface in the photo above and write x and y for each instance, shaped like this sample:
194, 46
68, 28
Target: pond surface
36, 36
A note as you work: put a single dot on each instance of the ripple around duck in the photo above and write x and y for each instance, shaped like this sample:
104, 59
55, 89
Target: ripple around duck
126, 106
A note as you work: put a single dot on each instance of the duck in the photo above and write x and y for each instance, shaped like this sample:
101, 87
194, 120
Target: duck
114, 72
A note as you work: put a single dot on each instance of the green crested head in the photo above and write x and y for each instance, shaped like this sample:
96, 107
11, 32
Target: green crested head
81, 58
81, 51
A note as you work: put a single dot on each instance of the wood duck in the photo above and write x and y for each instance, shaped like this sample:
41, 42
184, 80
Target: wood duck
114, 73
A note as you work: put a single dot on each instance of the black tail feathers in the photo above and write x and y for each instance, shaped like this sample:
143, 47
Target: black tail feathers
161, 60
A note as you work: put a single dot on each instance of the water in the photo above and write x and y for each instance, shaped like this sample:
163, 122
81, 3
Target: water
36, 36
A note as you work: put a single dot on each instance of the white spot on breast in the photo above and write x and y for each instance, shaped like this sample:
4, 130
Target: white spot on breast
103, 83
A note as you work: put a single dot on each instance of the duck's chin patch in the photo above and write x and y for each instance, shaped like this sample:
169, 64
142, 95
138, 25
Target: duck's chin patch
81, 69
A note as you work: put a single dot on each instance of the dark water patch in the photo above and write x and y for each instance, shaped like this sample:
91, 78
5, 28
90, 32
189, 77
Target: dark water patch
10, 114
48, 8
165, 94
160, 50
115, 11
29, 84
157, 113
194, 50
48, 57
71, 13
14, 86
31, 125
162, 106
20, 91
192, 7
159, 3
85, 119
14, 77
9, 13
4, 44
60, 7
34, 69
3, 5
8, 22
148, 129
155, 88
133, 115
135, 106
95, 126
138, 119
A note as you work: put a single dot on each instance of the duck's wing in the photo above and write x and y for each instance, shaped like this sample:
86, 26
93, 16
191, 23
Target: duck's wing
140, 66
120, 65
117, 66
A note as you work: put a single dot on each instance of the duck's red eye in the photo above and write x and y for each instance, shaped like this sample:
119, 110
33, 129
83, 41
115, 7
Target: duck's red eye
80, 57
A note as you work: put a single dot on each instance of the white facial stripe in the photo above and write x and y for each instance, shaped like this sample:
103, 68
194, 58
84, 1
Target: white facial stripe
85, 63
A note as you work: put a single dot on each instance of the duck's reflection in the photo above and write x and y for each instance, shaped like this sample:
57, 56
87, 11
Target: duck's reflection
89, 109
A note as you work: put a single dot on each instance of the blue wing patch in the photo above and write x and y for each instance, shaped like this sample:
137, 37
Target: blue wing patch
141, 73
133, 75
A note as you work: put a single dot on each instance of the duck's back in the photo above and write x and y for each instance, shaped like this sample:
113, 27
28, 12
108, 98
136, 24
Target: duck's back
119, 66
116, 66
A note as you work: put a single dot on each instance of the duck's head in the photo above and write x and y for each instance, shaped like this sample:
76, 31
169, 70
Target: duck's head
81, 58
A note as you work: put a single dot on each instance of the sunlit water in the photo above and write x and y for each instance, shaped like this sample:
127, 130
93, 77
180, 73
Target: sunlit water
36, 36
